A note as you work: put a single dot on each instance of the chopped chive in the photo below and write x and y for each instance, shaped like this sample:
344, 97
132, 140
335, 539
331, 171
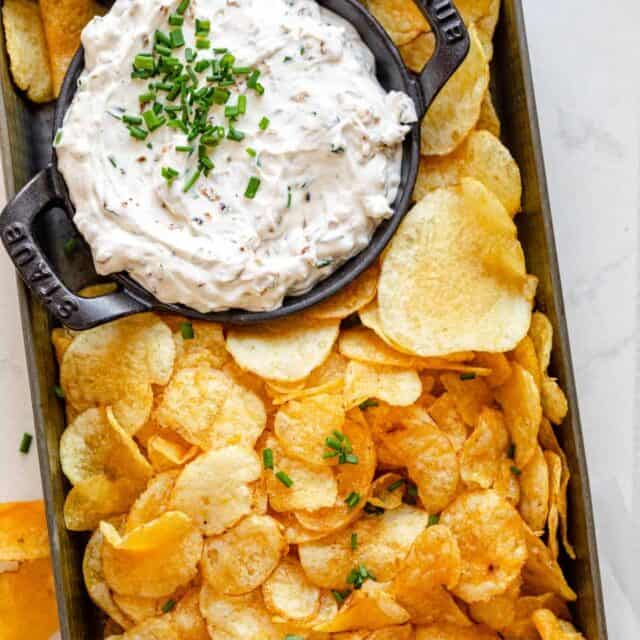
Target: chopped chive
168, 606
241, 71
162, 49
340, 596
288, 197
59, 391
301, 51
285, 479
206, 163
192, 180
131, 119
169, 174
162, 38
157, 108
202, 65
267, 458
221, 96
352, 499
58, 138
358, 576
511, 452
293, 636
189, 54
177, 124
202, 26
113, 162
515, 470
137, 132
25, 443
252, 188
369, 402
231, 111
182, 7
143, 62
70, 246
468, 375
251, 152
349, 459
354, 541
395, 485
264, 123
186, 330
252, 81
184, 148
259, 89
149, 96
337, 148
177, 38
372, 510
242, 104
175, 20
434, 518
203, 43
330, 454
220, 50
287, 59
152, 120
321, 264
235, 135
332, 443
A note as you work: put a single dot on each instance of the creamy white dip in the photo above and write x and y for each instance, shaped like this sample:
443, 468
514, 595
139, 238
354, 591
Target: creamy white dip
328, 161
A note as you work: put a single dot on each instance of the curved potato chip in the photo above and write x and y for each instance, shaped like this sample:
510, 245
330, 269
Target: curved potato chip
551, 628
381, 545
387, 491
456, 109
506, 483
489, 119
236, 617
23, 531
500, 611
161, 628
350, 478
401, 19
349, 299
499, 365
242, 558
94, 445
167, 450
554, 464
116, 364
216, 490
188, 619
289, 594
492, 543
206, 347
522, 628
541, 573
152, 502
61, 338
96, 584
153, 560
554, 403
95, 499
469, 396
137, 608
525, 355
284, 350
395, 386
482, 452
369, 608
303, 426
418, 51
541, 333
312, 487
520, 401
445, 631
435, 293
449, 421
534, 492
293, 531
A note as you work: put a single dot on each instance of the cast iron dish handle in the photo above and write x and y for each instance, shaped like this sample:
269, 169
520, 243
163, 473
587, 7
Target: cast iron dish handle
17, 231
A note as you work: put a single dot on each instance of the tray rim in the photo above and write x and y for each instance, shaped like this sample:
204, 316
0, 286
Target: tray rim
25, 299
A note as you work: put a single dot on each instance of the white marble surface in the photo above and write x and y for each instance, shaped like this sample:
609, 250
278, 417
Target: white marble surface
585, 59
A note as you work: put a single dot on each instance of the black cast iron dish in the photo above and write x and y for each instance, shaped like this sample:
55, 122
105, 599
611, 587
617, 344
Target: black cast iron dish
47, 189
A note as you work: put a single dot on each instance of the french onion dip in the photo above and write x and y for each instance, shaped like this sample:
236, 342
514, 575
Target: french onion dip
228, 153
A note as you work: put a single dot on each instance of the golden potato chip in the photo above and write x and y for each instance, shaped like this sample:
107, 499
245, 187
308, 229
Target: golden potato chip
138, 608
23, 531
520, 401
236, 617
242, 558
534, 492
541, 573
349, 299
418, 51
293, 531
188, 619
97, 498
216, 490
435, 295
152, 502
551, 628
500, 611
506, 483
482, 452
379, 543
151, 629
541, 333
28, 602
197, 343
522, 627
554, 464
492, 543
393, 385
153, 560
303, 426
525, 355
430, 459
449, 421
499, 365
445, 631
387, 491
370, 317
554, 403
95, 445
489, 119
369, 608
293, 484
61, 338
456, 109
168, 451
285, 350
115, 365
350, 478
289, 594
469, 396
404, 632
96, 584
401, 19
27, 49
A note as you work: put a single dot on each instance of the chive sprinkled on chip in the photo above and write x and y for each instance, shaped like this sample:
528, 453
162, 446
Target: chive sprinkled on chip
468, 375
59, 391
340, 596
395, 485
434, 518
354, 541
515, 470
352, 499
186, 330
267, 458
511, 452
368, 403
169, 605
285, 479
358, 576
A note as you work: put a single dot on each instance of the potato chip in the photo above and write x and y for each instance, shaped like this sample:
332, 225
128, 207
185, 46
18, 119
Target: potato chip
506, 483
168, 451
551, 628
554, 464
216, 490
303, 426
284, 350
435, 295
188, 619
489, 119
349, 299
242, 558
28, 602
27, 49
289, 594
401, 19
525, 355
369, 608
456, 109
541, 573
293, 484
61, 338
499, 365
206, 347
115, 365
137, 608
445, 631
520, 401
293, 531
393, 385
350, 478
23, 531
94, 445
500, 611
96, 584
236, 617
161, 628
97, 498
492, 543
482, 452
449, 421
404, 632
387, 491
554, 403
541, 333
153, 560
153, 501
522, 628
430, 459
534, 492
469, 396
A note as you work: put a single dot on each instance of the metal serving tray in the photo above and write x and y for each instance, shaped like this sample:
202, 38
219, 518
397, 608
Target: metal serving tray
25, 139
